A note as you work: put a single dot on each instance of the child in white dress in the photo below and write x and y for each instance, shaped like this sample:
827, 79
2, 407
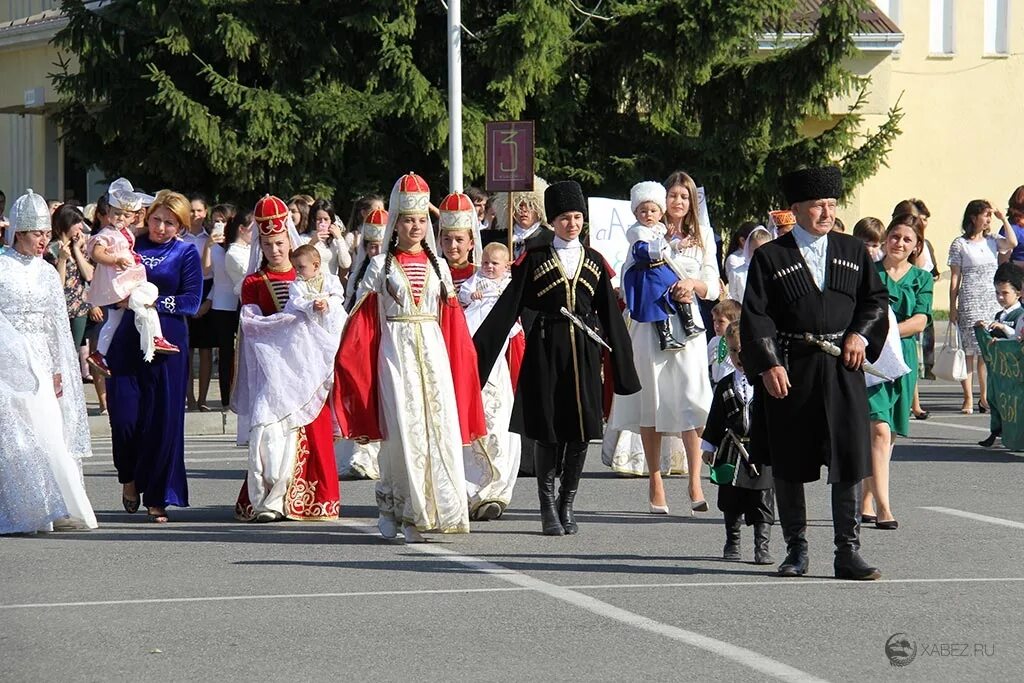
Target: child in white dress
479, 293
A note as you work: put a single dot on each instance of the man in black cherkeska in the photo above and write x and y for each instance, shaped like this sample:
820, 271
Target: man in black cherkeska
809, 288
560, 381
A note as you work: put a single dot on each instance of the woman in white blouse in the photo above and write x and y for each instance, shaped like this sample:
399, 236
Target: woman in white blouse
227, 256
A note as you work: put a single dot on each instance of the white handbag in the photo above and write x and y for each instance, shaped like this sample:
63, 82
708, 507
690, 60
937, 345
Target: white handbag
950, 360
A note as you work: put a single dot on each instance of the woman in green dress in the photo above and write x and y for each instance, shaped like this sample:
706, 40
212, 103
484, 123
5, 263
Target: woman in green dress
910, 295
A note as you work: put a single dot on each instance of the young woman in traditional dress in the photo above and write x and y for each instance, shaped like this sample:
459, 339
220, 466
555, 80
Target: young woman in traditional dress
285, 371
561, 382
420, 392
492, 463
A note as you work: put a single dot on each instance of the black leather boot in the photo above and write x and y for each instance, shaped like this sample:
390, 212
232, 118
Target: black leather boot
733, 524
762, 534
846, 524
572, 470
690, 327
792, 509
545, 457
665, 338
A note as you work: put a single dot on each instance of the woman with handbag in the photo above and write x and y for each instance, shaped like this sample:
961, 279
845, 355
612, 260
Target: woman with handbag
973, 259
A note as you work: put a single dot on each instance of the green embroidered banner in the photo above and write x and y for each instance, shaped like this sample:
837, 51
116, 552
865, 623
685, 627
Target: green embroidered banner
1005, 360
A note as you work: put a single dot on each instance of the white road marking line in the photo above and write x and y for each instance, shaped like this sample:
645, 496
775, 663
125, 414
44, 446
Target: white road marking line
283, 596
775, 583
955, 426
975, 516
735, 653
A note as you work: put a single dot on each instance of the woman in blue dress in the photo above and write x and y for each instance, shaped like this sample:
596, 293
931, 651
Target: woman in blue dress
147, 399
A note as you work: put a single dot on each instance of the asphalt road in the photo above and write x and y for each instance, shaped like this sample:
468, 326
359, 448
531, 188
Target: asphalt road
631, 597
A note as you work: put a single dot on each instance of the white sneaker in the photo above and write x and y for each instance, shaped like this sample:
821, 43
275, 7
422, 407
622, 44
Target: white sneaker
387, 526
412, 534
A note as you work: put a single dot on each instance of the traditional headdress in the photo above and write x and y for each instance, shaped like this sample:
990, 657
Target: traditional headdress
564, 196
373, 229
458, 213
413, 196
270, 214
812, 183
270, 217
533, 199
29, 212
374, 225
647, 191
409, 196
121, 195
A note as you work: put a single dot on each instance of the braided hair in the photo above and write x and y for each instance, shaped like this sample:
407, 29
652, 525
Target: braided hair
359, 278
437, 269
392, 247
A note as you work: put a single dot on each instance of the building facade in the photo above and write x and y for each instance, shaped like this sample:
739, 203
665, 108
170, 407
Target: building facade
958, 76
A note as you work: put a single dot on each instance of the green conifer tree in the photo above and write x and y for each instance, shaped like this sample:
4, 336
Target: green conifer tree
338, 98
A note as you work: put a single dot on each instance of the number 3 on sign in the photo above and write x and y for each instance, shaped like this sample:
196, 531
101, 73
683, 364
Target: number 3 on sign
509, 140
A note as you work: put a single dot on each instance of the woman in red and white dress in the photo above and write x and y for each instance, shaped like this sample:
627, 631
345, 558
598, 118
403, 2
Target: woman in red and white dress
420, 394
285, 375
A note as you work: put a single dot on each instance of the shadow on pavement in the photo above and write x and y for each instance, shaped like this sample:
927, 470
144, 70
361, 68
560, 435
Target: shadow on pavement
916, 453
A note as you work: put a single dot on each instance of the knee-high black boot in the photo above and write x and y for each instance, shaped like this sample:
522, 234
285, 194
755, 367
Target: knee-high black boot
690, 327
846, 524
572, 470
545, 459
733, 526
793, 519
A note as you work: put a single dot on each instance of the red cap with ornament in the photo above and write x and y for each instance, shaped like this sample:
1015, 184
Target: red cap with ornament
457, 212
374, 225
271, 215
413, 195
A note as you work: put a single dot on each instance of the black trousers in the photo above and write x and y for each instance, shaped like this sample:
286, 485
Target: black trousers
756, 505
224, 326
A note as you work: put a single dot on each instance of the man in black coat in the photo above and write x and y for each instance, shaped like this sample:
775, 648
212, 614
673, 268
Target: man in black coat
560, 382
810, 408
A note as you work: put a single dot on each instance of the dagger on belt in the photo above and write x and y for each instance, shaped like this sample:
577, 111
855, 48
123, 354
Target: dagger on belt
833, 350
589, 331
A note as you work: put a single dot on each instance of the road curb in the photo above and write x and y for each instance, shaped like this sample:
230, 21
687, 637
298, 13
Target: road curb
196, 424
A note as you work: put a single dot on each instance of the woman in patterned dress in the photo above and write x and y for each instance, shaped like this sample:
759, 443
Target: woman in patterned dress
973, 259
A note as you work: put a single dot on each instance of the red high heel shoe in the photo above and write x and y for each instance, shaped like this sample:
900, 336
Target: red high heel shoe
163, 346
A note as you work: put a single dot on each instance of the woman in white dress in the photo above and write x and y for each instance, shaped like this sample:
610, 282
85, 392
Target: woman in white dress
676, 394
406, 375
41, 485
973, 259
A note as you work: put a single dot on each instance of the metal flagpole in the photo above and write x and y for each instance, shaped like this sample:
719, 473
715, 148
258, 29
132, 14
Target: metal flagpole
455, 95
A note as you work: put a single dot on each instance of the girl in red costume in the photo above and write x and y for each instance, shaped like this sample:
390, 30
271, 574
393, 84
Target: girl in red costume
420, 394
285, 374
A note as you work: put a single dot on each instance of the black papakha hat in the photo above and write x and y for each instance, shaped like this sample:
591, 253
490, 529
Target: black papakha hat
1011, 274
812, 183
564, 196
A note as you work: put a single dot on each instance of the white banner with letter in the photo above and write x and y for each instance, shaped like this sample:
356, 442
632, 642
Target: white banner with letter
611, 218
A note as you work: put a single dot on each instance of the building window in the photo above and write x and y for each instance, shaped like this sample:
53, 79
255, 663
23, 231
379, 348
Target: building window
891, 9
940, 39
996, 20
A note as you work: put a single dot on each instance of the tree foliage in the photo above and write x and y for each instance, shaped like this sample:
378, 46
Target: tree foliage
337, 98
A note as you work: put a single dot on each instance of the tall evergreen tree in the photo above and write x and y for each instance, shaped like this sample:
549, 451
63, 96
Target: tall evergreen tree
339, 98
